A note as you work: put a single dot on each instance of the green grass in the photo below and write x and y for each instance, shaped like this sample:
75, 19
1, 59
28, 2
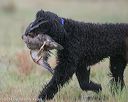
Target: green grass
15, 84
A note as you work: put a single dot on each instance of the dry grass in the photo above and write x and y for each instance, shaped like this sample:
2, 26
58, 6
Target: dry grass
8, 6
24, 63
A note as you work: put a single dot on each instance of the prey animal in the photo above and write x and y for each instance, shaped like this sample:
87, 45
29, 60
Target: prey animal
40, 47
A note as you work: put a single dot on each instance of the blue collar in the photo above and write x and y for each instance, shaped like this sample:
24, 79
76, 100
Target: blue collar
62, 21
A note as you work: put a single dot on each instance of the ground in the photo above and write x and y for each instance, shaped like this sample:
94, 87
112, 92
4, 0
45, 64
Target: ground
21, 79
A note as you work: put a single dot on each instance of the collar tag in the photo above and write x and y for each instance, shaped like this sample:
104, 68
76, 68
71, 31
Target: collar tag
62, 21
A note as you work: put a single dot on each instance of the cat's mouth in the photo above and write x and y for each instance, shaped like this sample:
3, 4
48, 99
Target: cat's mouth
40, 47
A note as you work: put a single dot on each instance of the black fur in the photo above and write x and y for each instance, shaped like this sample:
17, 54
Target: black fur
85, 44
